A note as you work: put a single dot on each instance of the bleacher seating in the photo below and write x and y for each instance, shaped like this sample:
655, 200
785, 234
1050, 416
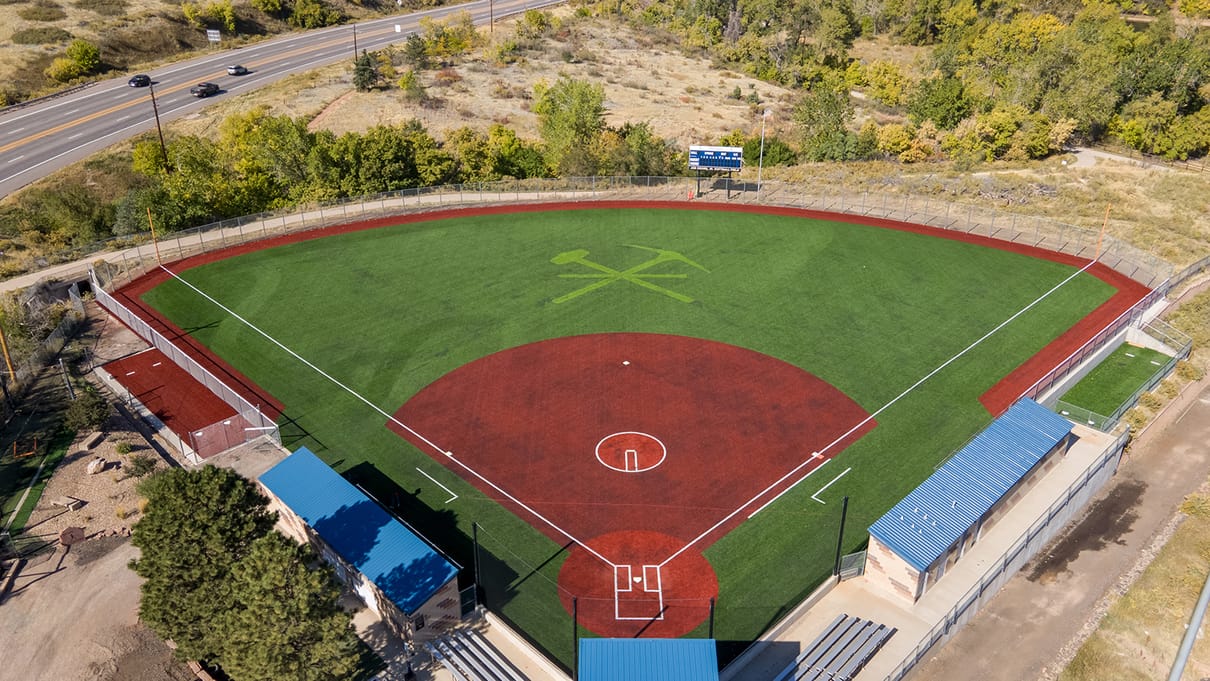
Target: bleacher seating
468, 656
840, 652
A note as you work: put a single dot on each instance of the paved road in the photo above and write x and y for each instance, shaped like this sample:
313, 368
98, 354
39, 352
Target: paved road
39, 138
1021, 634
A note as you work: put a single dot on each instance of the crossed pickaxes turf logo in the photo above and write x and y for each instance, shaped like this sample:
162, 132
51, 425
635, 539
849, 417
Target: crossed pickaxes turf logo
636, 275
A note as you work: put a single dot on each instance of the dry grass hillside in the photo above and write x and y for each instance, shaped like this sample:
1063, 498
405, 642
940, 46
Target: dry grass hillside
689, 101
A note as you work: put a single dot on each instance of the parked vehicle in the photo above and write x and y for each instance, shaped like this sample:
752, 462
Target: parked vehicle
141, 80
204, 89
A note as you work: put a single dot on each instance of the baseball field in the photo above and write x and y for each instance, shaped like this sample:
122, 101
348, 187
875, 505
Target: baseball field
646, 414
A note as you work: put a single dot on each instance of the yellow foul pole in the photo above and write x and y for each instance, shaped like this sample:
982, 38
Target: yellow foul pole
1104, 225
153, 240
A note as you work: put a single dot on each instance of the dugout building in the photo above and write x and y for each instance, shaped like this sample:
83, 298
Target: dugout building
926, 533
412, 587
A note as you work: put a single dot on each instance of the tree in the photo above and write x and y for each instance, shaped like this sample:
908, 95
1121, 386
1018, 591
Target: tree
197, 525
821, 116
365, 72
942, 100
86, 56
284, 623
314, 14
571, 114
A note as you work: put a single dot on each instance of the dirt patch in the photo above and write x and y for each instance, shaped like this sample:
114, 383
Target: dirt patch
1107, 520
685, 99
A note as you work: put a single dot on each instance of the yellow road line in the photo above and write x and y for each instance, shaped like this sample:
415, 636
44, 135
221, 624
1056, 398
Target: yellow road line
118, 107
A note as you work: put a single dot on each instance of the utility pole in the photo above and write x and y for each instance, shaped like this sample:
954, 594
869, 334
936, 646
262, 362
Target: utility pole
155, 110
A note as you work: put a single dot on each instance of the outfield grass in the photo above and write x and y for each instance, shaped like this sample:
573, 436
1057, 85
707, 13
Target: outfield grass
1114, 380
870, 310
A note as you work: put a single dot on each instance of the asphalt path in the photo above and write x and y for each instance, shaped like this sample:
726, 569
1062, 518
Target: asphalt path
38, 138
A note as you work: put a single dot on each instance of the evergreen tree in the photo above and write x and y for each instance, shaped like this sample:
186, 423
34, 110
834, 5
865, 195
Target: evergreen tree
197, 525
365, 72
284, 623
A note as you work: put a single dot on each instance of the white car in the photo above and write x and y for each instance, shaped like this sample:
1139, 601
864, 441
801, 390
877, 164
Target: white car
236, 70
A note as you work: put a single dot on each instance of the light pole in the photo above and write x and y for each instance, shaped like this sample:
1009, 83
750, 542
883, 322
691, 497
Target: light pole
760, 166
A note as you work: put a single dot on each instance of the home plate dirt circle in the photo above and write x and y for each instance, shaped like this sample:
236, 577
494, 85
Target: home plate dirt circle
634, 597
631, 451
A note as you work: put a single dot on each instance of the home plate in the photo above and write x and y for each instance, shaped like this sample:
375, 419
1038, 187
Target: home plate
637, 580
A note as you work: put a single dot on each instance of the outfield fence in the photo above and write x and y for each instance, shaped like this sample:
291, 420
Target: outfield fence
248, 423
121, 266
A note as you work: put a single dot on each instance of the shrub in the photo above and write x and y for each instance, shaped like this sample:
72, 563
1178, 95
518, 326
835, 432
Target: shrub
1136, 418
121, 512
1189, 371
141, 465
1151, 401
1170, 388
47, 35
42, 11
86, 55
109, 8
63, 70
123, 448
88, 411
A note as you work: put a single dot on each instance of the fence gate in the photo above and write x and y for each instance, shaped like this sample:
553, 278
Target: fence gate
852, 565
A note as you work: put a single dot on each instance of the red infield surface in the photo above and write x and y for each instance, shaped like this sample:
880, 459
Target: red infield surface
179, 401
635, 445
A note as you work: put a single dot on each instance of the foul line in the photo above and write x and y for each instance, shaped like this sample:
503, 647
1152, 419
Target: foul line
814, 456
389, 417
861, 424
447, 489
821, 489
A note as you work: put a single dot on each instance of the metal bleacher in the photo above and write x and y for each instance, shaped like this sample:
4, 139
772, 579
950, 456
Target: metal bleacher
840, 652
469, 657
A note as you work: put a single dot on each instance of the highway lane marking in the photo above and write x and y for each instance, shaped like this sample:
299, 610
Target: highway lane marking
78, 134
16, 158
123, 118
15, 130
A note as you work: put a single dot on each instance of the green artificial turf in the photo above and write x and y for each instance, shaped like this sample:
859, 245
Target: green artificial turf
1116, 379
871, 310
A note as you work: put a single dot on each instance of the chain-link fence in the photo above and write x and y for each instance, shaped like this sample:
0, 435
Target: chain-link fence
122, 265
1178, 345
248, 423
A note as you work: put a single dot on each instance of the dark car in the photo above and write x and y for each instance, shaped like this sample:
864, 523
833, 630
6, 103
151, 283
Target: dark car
204, 89
236, 70
141, 80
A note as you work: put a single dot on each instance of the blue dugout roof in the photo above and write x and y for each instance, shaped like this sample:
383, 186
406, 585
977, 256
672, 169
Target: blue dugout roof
648, 659
929, 520
405, 568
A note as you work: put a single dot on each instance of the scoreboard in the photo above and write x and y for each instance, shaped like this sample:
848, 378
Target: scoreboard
715, 158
